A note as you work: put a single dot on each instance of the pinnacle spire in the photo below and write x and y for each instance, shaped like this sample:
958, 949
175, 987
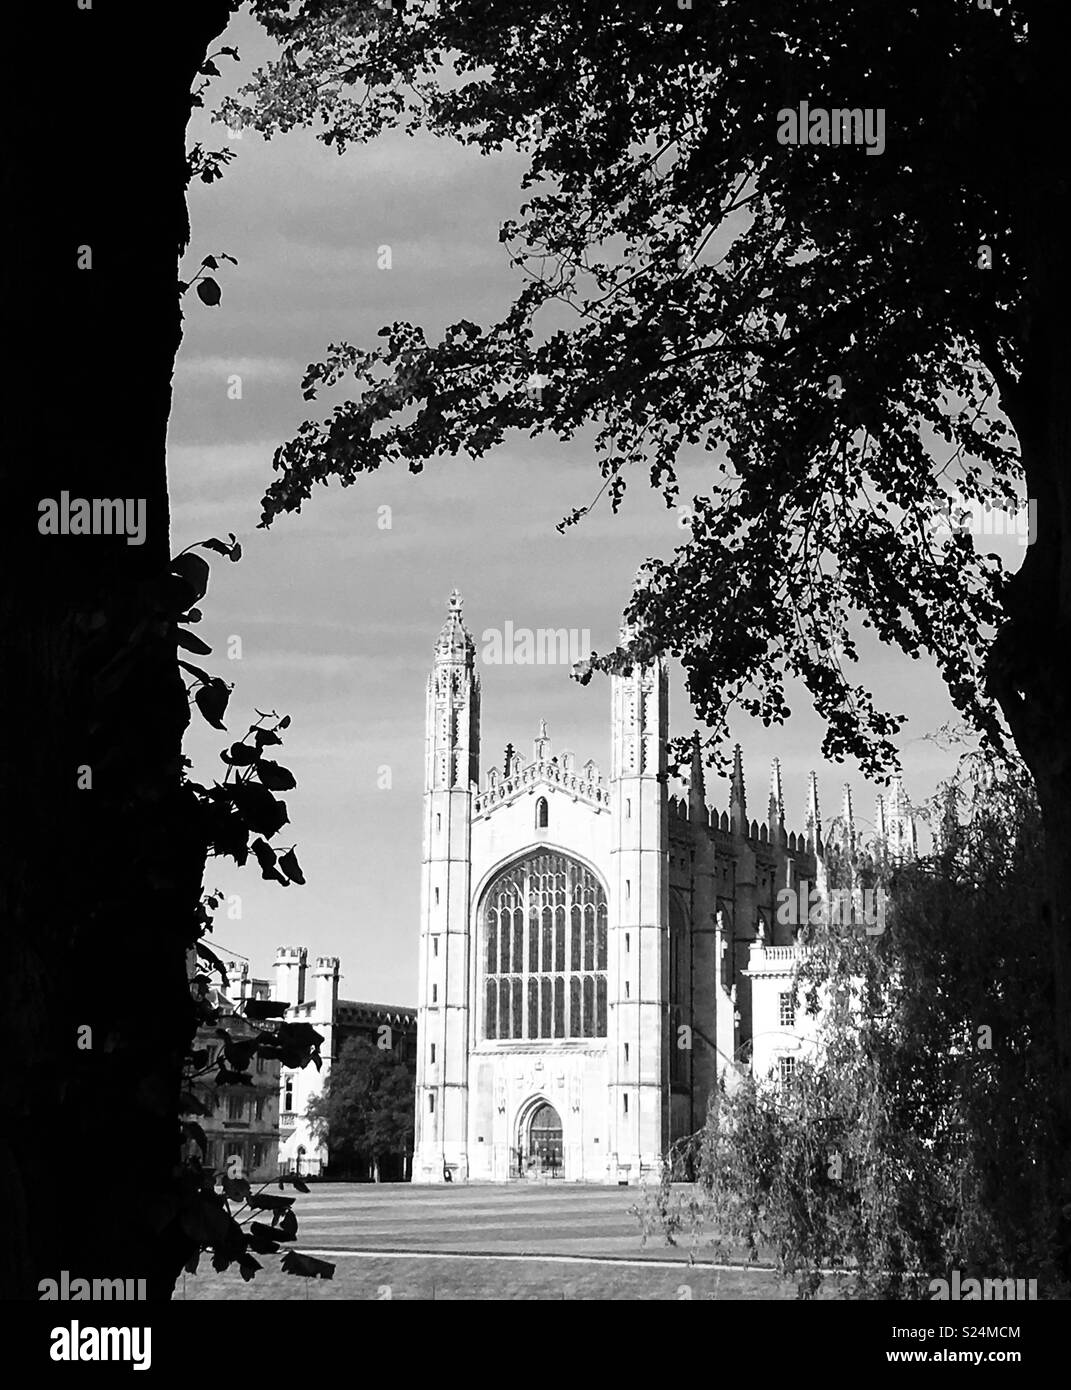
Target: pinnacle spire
697, 787
848, 817
903, 835
776, 816
455, 640
813, 822
737, 795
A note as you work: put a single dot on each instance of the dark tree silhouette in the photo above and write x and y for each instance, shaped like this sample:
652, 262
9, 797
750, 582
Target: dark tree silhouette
103, 853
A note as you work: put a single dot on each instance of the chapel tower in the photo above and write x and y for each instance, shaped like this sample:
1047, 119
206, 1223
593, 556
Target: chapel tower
451, 770
638, 979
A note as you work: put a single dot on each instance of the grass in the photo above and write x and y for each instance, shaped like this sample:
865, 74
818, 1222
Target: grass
483, 1242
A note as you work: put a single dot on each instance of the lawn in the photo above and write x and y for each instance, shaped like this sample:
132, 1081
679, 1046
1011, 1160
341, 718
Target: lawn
484, 1242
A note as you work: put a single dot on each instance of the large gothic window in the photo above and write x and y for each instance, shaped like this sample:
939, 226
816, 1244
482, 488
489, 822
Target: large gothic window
544, 951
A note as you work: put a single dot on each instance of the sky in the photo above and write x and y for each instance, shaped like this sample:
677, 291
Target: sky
336, 616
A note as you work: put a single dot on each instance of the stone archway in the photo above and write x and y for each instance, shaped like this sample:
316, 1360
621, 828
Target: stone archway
544, 1139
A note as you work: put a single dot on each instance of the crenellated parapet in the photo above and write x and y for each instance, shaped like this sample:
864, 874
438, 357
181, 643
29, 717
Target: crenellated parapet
556, 770
585, 785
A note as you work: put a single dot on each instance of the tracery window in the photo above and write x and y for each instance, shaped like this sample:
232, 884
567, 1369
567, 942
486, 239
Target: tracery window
543, 923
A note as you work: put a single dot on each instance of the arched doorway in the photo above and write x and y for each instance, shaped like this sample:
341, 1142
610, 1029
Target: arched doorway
545, 1139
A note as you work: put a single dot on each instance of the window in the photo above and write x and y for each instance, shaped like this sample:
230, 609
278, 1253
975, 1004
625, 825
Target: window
626, 1102
786, 1070
626, 1052
431, 1103
288, 1094
434, 945
543, 951
435, 994
542, 813
235, 1107
432, 1059
262, 1062
786, 1002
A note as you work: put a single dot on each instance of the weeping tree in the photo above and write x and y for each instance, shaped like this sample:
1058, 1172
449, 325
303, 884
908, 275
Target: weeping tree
851, 342
920, 1140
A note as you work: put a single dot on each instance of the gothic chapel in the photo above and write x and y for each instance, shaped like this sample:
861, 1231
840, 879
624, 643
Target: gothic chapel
595, 951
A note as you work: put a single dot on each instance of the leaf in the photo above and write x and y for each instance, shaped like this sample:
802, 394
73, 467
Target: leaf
196, 671
191, 1264
225, 257
275, 777
284, 723
294, 1181
257, 807
193, 616
183, 286
192, 1130
295, 1263
268, 1201
290, 866
220, 547
208, 69
258, 1009
226, 1077
212, 698
208, 291
192, 643
265, 736
262, 1238
237, 1189
189, 1104
194, 572
248, 1266
211, 263
240, 755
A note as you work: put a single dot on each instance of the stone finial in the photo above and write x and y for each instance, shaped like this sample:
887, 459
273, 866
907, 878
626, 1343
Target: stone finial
541, 746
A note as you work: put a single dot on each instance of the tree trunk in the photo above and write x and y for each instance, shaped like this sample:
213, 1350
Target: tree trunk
101, 869
1030, 664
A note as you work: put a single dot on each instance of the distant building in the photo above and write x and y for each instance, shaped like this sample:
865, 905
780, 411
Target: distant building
338, 1020
244, 1120
596, 953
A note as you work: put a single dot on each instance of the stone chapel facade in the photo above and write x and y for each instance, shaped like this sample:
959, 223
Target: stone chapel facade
594, 950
